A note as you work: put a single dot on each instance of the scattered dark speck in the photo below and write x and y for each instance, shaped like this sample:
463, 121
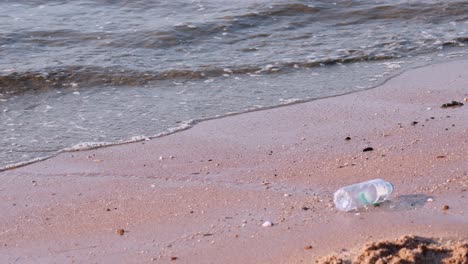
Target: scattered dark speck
414, 123
347, 138
452, 104
368, 149
432, 117
305, 208
174, 258
108, 209
445, 207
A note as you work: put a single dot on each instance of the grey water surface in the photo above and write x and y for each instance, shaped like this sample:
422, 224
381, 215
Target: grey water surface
106, 71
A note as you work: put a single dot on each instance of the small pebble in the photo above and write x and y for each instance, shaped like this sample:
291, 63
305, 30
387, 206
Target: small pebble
286, 195
368, 149
120, 232
161, 158
174, 258
446, 207
430, 200
347, 138
309, 247
267, 224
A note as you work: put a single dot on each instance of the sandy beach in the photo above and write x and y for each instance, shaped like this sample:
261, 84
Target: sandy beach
202, 195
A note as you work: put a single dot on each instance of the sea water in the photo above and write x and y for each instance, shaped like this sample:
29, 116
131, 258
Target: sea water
82, 74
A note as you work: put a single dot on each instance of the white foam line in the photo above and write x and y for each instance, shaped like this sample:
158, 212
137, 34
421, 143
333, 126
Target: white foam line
94, 145
24, 163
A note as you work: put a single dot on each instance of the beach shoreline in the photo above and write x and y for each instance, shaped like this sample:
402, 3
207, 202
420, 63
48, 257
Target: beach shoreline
201, 195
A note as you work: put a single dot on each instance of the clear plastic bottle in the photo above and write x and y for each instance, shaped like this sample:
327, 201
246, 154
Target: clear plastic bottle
362, 194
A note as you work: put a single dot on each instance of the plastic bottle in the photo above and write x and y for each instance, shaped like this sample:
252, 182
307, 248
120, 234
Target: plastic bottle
362, 194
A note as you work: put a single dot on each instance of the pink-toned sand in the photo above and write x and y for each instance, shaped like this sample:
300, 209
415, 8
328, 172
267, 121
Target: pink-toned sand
226, 177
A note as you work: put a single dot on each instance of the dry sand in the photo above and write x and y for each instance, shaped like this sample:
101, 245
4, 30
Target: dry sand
205, 201
407, 249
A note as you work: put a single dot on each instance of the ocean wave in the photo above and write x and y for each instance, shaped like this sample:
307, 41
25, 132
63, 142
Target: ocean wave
93, 76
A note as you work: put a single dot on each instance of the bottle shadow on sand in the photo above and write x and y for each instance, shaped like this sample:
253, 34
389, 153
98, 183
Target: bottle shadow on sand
405, 202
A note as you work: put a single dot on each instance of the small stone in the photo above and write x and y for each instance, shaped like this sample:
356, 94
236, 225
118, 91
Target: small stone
465, 99
347, 138
120, 232
445, 207
153, 185
452, 104
305, 208
267, 224
286, 195
174, 258
430, 200
161, 158
309, 247
368, 149
414, 123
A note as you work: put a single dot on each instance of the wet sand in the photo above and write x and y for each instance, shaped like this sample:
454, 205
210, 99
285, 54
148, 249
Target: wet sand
202, 195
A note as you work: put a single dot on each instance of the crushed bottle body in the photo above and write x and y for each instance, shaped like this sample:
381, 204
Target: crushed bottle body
362, 194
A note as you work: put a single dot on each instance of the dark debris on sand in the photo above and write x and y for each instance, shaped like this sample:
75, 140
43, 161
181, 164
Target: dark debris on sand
452, 104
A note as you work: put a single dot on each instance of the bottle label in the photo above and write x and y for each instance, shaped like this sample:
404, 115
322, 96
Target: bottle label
362, 197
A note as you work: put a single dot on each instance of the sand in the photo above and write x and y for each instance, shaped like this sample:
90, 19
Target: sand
203, 195
407, 249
